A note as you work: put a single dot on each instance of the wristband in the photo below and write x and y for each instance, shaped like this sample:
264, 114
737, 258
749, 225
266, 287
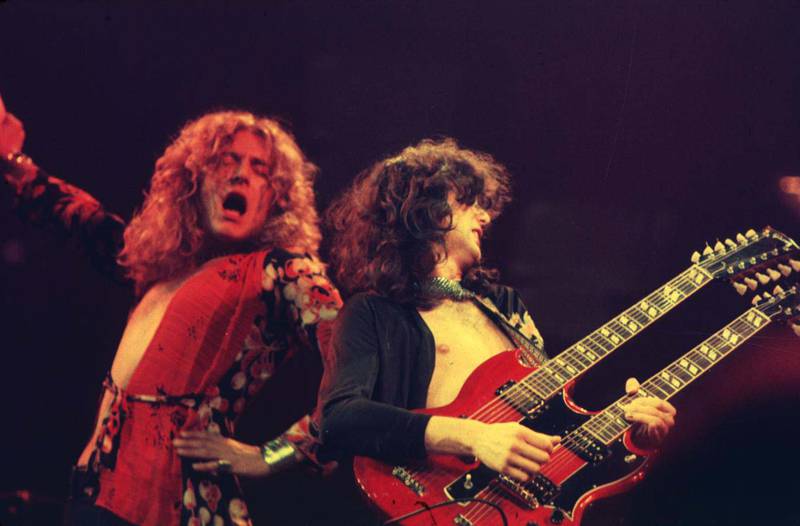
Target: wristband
278, 453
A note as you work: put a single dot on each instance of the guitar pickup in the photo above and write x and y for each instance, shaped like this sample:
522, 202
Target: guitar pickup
521, 398
587, 448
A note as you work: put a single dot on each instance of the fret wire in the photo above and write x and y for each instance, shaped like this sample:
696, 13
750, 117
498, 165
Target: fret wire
578, 357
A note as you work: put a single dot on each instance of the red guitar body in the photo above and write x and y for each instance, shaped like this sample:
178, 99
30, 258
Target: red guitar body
567, 485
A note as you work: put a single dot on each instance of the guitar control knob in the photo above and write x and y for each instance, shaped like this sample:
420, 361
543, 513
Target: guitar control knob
468, 484
557, 517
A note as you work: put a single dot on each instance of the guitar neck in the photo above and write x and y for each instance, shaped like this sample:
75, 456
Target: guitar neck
554, 374
609, 424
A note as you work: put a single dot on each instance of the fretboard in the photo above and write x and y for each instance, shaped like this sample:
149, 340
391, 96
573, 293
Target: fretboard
609, 424
554, 374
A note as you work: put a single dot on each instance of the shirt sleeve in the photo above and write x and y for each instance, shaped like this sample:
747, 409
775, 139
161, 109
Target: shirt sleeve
352, 422
46, 200
302, 301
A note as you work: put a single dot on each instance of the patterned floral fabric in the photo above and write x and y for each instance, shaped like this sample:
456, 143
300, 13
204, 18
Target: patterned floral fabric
224, 334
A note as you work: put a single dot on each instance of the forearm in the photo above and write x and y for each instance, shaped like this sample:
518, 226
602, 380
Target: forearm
455, 436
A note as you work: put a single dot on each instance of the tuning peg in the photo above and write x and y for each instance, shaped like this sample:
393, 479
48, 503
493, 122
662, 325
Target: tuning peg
778, 290
795, 265
785, 269
762, 278
740, 238
719, 247
708, 250
741, 288
795, 328
751, 234
766, 295
773, 274
730, 243
750, 282
695, 257
756, 300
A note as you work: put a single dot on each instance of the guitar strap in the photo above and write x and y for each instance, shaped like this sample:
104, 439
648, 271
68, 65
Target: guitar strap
532, 350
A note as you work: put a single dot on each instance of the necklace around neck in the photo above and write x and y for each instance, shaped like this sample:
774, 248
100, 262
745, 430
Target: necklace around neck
445, 288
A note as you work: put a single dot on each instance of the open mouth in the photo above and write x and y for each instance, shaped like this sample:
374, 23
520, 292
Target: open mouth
235, 202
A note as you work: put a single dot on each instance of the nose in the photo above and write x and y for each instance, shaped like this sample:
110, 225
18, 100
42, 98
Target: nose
242, 174
483, 216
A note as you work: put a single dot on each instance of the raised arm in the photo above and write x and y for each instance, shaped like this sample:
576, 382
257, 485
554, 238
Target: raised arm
46, 200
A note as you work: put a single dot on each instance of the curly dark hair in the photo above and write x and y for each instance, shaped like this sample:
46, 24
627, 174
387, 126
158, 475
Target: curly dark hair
389, 226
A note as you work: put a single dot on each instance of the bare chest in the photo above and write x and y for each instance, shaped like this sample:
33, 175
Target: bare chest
464, 337
141, 327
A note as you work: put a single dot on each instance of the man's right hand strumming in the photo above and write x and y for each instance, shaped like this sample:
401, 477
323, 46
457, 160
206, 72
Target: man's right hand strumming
509, 448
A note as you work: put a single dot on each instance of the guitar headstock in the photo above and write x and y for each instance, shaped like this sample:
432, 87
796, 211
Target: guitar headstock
783, 305
755, 258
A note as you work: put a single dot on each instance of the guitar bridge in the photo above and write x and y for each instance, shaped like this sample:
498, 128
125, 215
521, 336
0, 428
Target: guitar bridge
539, 491
405, 476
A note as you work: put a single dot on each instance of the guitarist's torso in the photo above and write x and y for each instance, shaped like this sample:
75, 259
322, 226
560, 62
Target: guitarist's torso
464, 337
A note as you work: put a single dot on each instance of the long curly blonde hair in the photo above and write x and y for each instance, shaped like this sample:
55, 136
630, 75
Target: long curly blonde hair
166, 236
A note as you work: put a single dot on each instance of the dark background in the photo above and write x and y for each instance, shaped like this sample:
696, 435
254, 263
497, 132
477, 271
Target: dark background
636, 131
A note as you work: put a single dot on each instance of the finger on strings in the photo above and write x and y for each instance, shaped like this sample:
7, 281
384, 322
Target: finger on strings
540, 440
652, 411
642, 418
528, 466
532, 453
